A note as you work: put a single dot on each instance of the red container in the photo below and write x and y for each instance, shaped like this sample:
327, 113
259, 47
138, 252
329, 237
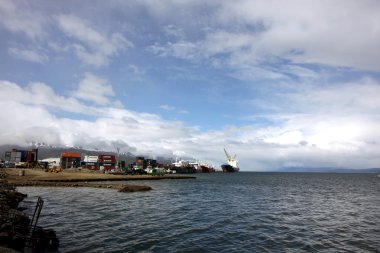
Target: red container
108, 164
108, 161
70, 154
107, 157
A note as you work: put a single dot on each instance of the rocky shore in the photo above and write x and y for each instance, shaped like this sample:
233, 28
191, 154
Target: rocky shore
16, 230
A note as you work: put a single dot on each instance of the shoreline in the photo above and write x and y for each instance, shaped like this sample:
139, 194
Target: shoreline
74, 184
12, 240
71, 178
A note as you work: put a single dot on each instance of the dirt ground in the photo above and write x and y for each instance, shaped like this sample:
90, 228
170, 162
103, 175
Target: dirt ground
82, 178
41, 175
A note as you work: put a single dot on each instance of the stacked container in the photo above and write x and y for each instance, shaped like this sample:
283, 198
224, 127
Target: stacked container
91, 162
151, 162
21, 158
122, 164
140, 163
108, 162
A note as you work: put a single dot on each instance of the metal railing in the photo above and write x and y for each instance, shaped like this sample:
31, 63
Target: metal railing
34, 221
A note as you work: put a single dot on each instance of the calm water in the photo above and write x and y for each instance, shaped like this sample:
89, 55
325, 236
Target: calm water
241, 212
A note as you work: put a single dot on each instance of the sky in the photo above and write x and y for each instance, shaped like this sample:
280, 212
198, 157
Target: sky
278, 83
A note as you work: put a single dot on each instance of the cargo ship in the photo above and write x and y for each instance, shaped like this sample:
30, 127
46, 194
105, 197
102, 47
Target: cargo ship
205, 168
231, 165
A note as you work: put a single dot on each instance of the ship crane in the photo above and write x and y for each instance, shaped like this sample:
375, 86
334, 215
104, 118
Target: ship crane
232, 164
228, 155
231, 159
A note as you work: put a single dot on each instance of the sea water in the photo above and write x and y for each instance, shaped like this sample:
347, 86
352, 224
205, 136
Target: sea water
219, 212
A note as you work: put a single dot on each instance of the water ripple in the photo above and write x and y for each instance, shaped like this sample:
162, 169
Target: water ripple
242, 212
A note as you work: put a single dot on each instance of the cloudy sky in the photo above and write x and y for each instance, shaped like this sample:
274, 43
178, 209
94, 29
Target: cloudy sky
279, 83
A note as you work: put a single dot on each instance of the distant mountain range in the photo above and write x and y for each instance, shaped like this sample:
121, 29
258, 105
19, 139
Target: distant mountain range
49, 152
329, 169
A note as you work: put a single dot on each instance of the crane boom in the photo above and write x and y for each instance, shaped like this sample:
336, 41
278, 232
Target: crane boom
228, 156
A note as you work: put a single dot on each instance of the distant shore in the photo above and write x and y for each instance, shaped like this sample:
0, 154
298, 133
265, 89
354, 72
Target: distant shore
71, 178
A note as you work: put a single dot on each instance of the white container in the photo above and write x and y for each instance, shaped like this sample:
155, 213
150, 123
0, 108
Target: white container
91, 158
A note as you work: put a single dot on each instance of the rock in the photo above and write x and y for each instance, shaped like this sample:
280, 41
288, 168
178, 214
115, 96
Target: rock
45, 239
135, 188
14, 224
7, 250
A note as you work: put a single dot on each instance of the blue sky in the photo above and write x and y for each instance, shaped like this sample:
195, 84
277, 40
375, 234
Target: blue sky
279, 83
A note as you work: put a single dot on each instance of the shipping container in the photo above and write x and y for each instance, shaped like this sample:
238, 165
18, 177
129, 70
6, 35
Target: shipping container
31, 156
91, 158
70, 162
151, 162
15, 156
21, 158
108, 161
70, 154
122, 164
107, 157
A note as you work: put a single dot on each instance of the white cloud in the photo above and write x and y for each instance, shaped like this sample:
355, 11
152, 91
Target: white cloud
183, 112
92, 46
174, 109
137, 71
253, 33
29, 115
171, 30
320, 32
312, 121
352, 98
94, 89
41, 95
95, 48
18, 18
28, 55
182, 49
314, 139
167, 107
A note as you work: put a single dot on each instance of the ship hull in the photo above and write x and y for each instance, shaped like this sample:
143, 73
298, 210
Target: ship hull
229, 168
205, 169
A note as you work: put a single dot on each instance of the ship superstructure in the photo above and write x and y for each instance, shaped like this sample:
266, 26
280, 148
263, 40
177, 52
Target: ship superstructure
232, 163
